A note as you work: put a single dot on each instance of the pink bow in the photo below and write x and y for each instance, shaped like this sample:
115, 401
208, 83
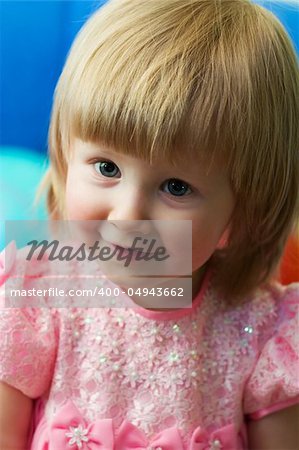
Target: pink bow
70, 431
225, 438
129, 437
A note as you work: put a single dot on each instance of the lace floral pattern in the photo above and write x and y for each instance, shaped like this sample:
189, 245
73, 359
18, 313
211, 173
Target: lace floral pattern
193, 371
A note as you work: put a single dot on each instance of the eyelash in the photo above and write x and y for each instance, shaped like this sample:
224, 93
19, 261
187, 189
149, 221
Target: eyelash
173, 181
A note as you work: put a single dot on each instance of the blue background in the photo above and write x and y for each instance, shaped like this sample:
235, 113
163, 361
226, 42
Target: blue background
35, 38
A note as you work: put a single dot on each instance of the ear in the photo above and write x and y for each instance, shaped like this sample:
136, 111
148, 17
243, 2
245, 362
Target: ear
222, 243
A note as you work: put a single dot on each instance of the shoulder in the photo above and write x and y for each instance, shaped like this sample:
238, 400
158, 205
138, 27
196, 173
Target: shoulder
16, 272
273, 384
28, 331
30, 281
287, 307
261, 314
276, 293
21, 314
16, 263
273, 308
279, 329
284, 300
282, 294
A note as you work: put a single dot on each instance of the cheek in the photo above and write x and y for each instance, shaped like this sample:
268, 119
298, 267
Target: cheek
81, 201
202, 251
210, 227
205, 240
76, 209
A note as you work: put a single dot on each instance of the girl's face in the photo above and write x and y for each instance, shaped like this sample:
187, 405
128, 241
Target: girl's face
103, 184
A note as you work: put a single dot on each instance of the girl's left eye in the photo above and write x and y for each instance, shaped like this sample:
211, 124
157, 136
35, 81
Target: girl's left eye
176, 187
107, 168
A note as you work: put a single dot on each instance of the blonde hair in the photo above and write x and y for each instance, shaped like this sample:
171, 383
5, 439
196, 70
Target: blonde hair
163, 78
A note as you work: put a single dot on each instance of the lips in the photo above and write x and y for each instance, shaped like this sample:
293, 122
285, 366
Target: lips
129, 251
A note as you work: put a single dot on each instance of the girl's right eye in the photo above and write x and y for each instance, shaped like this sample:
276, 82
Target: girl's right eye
107, 169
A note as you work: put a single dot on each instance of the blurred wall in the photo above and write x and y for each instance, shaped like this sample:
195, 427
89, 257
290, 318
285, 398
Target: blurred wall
34, 40
35, 37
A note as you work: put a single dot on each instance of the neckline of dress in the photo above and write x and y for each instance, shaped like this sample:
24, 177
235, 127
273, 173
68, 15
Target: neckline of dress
176, 313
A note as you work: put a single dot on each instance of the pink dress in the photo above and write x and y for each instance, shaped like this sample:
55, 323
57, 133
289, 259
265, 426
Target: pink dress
129, 378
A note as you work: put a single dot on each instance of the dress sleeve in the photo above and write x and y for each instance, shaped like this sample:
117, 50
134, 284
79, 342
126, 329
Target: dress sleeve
274, 382
27, 335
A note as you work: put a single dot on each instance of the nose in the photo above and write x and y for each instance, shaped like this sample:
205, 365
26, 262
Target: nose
131, 213
141, 227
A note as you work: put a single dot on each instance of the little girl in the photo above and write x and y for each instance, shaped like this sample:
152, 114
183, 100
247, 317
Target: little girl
168, 110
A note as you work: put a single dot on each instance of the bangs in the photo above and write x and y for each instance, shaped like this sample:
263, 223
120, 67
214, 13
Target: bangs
158, 86
150, 114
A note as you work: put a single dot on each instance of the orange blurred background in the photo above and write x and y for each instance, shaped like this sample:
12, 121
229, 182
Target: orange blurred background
289, 266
